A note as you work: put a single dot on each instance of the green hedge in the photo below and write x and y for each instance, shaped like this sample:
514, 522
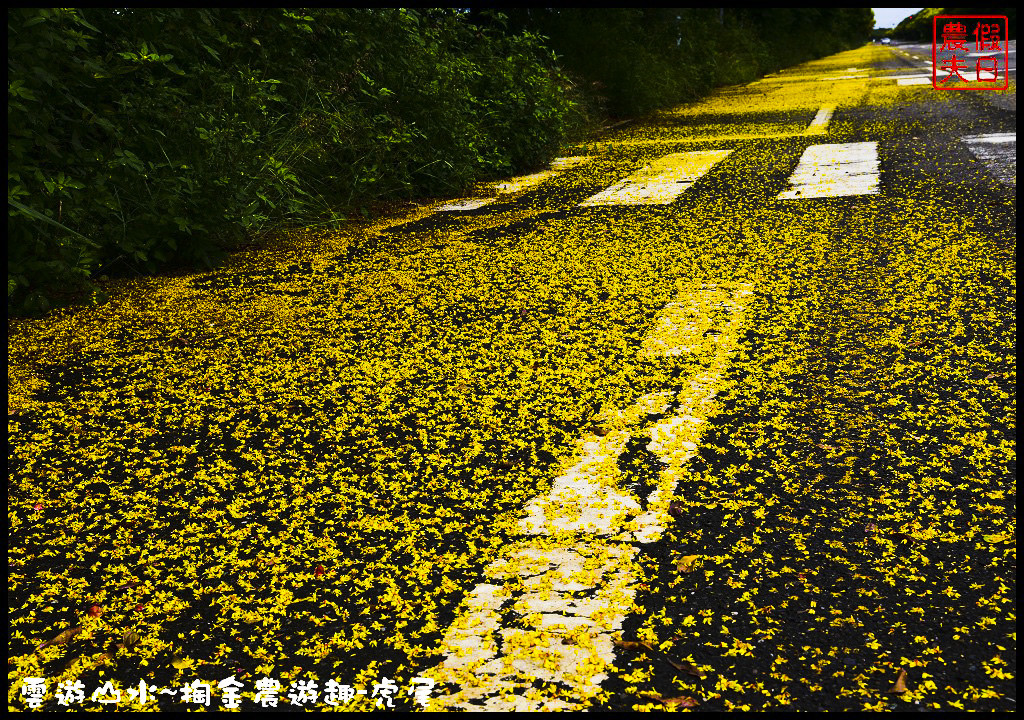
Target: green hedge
143, 139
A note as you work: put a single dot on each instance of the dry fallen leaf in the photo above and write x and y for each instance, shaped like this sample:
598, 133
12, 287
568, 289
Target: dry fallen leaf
61, 638
129, 639
686, 668
687, 563
182, 663
632, 645
900, 686
681, 701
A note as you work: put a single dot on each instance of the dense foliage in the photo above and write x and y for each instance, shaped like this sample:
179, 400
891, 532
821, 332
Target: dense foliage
637, 60
143, 139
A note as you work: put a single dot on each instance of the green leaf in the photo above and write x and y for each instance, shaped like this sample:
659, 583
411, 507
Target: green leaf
38, 216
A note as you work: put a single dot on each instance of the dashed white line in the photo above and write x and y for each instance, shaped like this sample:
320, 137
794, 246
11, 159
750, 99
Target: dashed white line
834, 171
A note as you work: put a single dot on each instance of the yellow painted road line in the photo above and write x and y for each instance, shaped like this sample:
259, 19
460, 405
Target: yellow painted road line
819, 125
834, 171
661, 182
570, 581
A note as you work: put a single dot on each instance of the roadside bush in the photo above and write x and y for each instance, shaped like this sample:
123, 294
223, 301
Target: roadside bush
640, 59
144, 139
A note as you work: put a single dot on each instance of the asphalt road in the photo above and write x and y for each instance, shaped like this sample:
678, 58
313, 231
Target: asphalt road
717, 412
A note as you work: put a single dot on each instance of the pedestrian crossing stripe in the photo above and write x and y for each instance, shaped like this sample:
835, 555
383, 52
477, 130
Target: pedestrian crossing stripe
834, 171
828, 170
517, 184
464, 205
999, 153
660, 182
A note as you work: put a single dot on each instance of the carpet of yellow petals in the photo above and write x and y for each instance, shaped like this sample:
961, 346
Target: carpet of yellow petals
298, 465
846, 539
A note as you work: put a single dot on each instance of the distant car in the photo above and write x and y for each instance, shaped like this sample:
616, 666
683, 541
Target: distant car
886, 41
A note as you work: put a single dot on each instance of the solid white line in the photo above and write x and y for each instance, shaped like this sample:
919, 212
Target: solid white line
571, 579
834, 171
915, 81
661, 182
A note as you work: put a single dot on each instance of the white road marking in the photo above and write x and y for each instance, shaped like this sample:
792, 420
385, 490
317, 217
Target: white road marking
992, 138
524, 182
660, 182
516, 184
999, 153
570, 581
468, 204
835, 170
564, 163
921, 80
845, 77
820, 122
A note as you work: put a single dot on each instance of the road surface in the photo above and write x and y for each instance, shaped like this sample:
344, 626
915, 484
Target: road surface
717, 411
